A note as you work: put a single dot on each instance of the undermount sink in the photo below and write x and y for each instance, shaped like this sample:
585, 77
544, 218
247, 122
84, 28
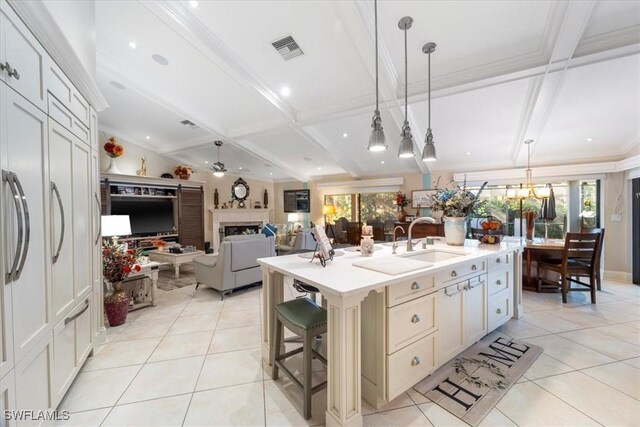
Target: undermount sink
434, 255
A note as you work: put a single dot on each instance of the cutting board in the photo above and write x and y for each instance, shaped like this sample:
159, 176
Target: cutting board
392, 266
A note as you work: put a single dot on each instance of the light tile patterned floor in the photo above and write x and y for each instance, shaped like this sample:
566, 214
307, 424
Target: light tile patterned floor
195, 361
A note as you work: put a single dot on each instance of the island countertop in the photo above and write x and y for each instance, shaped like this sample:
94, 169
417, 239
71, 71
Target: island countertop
341, 278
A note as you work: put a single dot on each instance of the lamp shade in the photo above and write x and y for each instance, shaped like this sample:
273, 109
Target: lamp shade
292, 217
116, 225
328, 210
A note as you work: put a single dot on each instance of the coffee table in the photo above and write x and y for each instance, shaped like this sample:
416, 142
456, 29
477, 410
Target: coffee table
174, 259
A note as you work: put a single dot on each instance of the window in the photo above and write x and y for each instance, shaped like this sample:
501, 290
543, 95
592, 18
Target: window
344, 206
364, 207
589, 207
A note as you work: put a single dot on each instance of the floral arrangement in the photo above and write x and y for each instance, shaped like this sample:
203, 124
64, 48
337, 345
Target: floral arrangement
401, 199
113, 149
456, 202
117, 263
159, 244
182, 171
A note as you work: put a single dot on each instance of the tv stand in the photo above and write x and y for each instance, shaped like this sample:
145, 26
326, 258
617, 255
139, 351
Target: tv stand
187, 196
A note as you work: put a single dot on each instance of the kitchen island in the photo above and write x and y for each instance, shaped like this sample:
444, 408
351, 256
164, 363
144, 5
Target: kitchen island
394, 319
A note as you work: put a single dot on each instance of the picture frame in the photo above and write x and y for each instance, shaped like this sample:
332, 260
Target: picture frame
421, 198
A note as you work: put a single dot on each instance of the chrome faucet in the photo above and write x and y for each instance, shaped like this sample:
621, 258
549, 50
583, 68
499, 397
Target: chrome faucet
415, 221
394, 245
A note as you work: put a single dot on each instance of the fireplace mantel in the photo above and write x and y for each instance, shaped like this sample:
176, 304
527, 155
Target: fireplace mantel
235, 216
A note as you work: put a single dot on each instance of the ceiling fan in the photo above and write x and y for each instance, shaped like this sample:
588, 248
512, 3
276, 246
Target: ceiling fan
218, 167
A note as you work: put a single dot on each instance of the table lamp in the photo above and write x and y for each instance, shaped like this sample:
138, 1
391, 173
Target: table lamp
115, 225
328, 210
293, 217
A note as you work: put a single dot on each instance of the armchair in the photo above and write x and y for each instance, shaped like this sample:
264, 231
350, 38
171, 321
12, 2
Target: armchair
235, 265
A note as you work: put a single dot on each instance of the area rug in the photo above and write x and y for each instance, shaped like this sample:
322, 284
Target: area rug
168, 282
471, 384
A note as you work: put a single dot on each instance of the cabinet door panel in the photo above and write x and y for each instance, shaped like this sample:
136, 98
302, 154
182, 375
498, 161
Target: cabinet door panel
450, 326
25, 144
62, 271
84, 336
24, 54
33, 381
82, 203
64, 359
8, 397
475, 303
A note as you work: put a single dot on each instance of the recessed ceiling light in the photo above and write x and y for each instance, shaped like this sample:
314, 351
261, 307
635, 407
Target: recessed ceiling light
589, 139
133, 45
270, 173
382, 162
319, 168
239, 167
285, 91
147, 137
160, 59
117, 85
206, 161
468, 153
344, 135
193, 3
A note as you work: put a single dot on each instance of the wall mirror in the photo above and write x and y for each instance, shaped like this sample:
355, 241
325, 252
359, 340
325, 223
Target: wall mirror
240, 191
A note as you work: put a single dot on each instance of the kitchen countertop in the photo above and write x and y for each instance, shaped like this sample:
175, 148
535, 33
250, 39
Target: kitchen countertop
340, 277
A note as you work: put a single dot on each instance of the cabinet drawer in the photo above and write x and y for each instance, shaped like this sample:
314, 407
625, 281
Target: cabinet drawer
411, 364
32, 376
499, 280
455, 272
410, 289
61, 87
499, 309
62, 115
500, 260
410, 321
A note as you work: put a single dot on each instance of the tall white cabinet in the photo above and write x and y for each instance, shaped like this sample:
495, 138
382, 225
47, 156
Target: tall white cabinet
49, 225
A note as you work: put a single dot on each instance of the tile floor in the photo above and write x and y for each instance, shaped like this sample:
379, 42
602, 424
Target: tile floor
195, 361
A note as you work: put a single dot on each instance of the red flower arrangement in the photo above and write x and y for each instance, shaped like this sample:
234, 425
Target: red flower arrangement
113, 149
117, 263
402, 200
182, 171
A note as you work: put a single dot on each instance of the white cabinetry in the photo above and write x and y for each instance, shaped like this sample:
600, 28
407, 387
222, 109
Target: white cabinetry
8, 397
450, 321
22, 58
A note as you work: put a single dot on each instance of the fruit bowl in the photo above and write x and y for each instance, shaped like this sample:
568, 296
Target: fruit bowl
489, 239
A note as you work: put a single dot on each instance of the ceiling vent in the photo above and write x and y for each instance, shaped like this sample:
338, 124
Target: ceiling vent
288, 48
189, 123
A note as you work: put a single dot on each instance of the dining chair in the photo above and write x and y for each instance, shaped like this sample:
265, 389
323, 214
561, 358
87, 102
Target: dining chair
598, 257
571, 267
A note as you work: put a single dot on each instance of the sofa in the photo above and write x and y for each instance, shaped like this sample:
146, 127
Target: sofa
235, 265
303, 241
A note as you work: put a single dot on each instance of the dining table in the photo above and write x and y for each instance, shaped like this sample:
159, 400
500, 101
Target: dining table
534, 250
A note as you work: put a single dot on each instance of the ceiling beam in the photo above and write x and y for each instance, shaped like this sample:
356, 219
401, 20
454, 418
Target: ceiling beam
217, 51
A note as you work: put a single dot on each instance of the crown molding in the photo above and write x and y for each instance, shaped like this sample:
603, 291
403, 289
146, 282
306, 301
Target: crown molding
608, 41
40, 22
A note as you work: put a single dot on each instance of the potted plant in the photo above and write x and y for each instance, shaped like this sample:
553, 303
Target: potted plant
402, 201
456, 204
113, 150
184, 172
117, 264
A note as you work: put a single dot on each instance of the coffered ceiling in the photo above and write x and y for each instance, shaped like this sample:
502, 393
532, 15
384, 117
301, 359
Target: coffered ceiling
557, 72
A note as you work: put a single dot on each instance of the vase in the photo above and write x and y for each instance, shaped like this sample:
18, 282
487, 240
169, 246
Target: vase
184, 176
402, 215
113, 166
530, 218
116, 305
455, 230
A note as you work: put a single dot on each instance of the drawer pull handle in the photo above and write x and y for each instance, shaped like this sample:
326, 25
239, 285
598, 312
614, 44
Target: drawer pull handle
75, 316
415, 361
446, 291
415, 286
453, 273
473, 267
498, 282
415, 318
11, 71
498, 311
499, 260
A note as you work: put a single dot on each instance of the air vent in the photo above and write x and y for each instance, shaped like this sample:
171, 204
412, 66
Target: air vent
288, 48
189, 123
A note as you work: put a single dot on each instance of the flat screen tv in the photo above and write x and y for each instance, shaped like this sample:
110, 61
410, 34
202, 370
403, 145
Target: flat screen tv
147, 217
297, 201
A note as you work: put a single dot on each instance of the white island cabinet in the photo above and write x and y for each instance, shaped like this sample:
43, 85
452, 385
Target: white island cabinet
387, 330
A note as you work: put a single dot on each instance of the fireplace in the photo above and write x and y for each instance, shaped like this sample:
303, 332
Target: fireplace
239, 229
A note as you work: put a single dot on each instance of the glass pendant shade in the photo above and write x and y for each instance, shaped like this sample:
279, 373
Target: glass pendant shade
218, 174
406, 144
377, 141
429, 151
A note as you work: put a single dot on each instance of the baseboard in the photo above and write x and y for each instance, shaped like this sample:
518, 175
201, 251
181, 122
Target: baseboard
618, 276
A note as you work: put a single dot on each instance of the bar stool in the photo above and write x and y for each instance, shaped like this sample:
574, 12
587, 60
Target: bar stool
302, 317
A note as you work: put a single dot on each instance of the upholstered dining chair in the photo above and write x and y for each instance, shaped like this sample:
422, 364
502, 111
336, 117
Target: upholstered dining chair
578, 247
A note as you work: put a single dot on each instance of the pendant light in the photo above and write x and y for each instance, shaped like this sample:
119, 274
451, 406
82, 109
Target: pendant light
218, 167
406, 144
429, 152
530, 190
377, 139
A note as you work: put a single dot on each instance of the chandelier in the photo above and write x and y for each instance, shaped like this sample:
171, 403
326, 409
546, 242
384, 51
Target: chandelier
528, 190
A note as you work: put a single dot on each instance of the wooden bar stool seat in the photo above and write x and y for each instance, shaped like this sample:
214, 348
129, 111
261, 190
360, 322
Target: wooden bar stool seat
305, 318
